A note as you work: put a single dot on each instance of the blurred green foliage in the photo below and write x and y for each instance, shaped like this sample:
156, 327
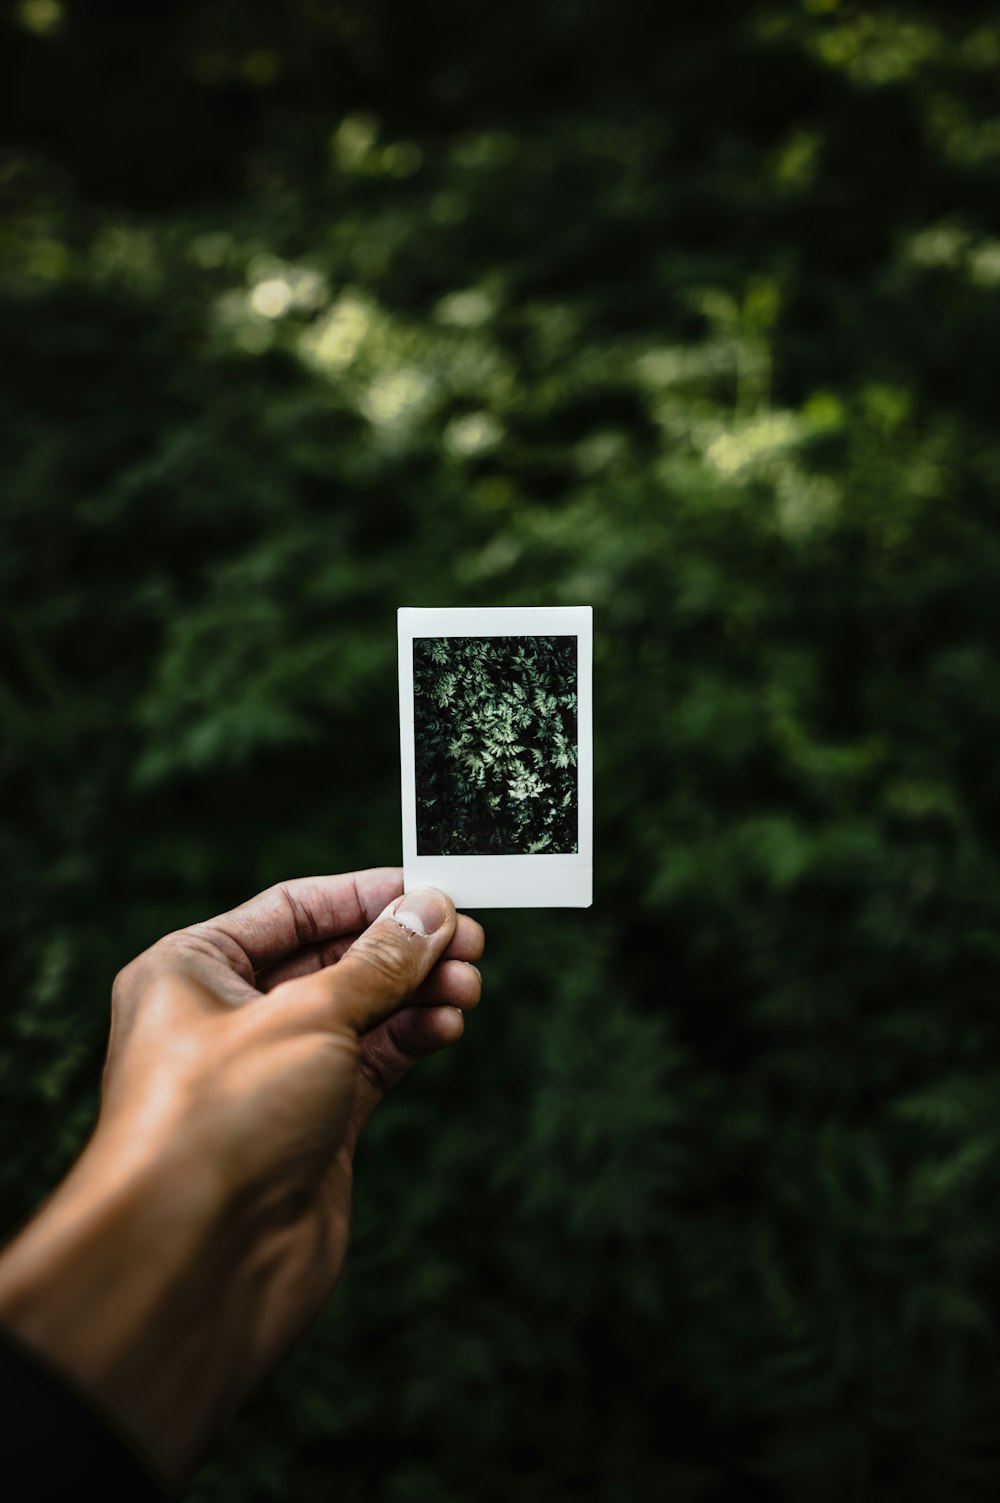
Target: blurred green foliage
495, 732
314, 310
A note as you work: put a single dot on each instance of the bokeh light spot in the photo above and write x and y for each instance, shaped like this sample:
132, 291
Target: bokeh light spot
394, 400
271, 298
40, 16
334, 340
466, 309
472, 433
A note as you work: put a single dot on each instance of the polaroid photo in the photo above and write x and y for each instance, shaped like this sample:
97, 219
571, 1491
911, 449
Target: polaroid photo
497, 754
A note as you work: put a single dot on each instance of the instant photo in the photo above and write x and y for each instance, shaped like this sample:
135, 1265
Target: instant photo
496, 754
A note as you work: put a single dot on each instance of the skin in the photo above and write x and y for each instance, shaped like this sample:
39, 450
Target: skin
207, 1220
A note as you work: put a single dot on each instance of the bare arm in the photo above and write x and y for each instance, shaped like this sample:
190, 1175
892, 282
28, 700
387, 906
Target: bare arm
207, 1220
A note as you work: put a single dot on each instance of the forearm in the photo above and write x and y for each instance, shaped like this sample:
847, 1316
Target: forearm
135, 1287
207, 1220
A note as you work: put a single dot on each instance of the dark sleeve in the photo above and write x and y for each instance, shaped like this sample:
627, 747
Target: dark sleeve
56, 1443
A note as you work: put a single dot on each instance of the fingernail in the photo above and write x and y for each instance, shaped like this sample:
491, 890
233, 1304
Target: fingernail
456, 1023
422, 911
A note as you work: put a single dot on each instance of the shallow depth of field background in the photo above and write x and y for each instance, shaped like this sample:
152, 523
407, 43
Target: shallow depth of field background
691, 313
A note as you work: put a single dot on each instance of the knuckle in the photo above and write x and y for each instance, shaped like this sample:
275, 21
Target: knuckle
129, 981
122, 983
304, 921
206, 941
140, 975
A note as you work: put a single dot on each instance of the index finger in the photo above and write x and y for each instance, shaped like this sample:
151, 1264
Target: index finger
281, 919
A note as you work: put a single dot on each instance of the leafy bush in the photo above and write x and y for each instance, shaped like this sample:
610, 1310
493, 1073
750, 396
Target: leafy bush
314, 310
496, 746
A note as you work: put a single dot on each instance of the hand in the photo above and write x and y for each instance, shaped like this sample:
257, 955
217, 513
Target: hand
207, 1220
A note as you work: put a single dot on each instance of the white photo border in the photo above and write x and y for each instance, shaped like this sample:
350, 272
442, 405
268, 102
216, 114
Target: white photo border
541, 881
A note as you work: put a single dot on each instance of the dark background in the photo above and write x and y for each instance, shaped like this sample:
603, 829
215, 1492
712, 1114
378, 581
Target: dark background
313, 310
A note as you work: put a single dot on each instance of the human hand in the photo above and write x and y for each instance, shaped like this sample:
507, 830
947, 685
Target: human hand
207, 1220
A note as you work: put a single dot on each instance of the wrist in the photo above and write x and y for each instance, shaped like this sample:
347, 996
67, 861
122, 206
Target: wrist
130, 1280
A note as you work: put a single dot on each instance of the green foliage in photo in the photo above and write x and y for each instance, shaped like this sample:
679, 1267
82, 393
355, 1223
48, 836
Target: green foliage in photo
495, 728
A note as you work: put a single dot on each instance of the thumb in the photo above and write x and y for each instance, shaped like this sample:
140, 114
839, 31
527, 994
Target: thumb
384, 964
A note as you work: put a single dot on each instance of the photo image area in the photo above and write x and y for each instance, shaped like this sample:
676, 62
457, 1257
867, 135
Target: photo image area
495, 735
